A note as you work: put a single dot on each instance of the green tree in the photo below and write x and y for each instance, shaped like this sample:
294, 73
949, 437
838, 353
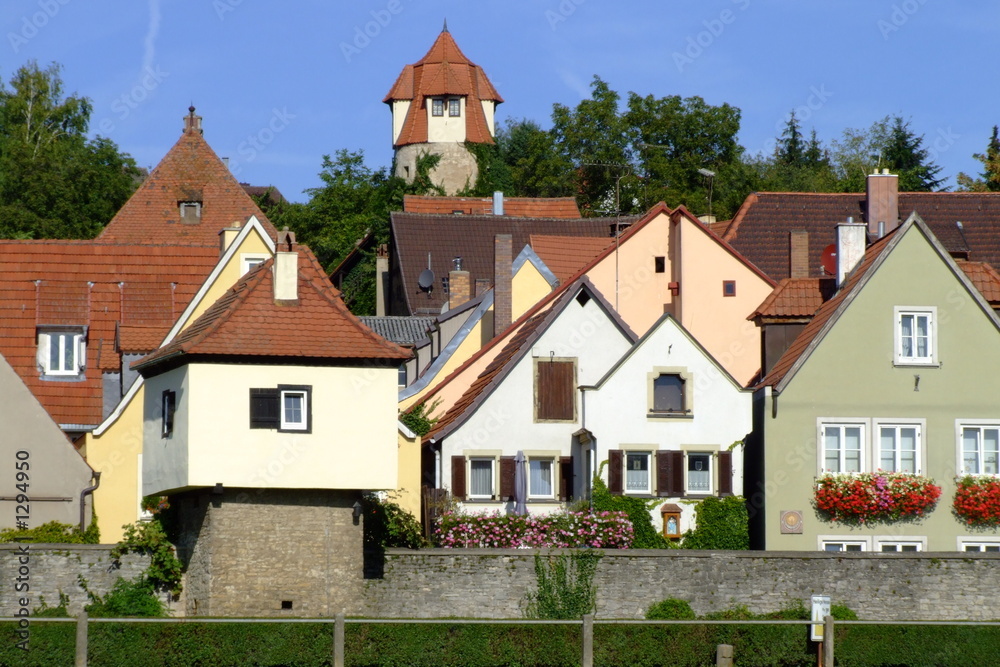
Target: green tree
791, 148
54, 182
536, 167
905, 155
989, 180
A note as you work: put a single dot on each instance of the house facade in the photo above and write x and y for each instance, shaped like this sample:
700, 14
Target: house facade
891, 375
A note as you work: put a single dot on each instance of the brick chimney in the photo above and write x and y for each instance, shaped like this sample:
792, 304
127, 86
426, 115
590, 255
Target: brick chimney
459, 285
482, 286
798, 254
882, 203
286, 268
851, 239
192, 123
502, 297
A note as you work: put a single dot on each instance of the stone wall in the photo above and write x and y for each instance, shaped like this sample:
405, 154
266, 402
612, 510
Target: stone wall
52, 569
493, 583
456, 170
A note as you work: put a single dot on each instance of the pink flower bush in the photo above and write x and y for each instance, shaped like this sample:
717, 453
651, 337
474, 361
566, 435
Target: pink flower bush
600, 530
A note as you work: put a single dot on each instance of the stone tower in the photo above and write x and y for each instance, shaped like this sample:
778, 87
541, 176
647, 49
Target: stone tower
439, 103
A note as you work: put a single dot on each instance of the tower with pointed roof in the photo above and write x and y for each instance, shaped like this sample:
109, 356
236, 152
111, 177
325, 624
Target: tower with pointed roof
438, 104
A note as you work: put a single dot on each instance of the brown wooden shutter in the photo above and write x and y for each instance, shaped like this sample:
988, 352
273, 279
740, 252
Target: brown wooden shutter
663, 473
725, 473
674, 473
264, 410
507, 467
565, 477
615, 464
555, 389
458, 477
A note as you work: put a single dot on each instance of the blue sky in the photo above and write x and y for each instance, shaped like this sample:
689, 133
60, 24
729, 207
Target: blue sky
280, 85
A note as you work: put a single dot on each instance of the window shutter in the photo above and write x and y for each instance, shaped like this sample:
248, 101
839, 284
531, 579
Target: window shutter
565, 477
615, 463
663, 473
675, 473
555, 389
43, 352
725, 473
507, 478
81, 360
458, 477
264, 408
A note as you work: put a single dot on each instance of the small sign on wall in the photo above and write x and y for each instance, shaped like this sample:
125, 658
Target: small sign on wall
820, 610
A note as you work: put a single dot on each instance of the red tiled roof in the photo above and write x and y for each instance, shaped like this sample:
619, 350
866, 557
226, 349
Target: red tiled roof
190, 171
414, 236
247, 322
518, 207
985, 278
796, 298
444, 70
565, 255
760, 228
94, 285
141, 338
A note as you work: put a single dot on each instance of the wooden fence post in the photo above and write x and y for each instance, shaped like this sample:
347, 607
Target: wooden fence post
81, 639
588, 640
338, 640
828, 641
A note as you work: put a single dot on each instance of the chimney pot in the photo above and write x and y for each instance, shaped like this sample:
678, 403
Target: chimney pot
798, 244
498, 203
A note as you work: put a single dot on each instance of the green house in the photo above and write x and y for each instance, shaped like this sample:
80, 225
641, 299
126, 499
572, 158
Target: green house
890, 391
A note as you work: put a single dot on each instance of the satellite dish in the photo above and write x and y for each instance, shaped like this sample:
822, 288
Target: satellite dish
426, 280
829, 259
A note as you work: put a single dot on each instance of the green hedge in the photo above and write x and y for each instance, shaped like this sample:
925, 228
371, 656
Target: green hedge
308, 645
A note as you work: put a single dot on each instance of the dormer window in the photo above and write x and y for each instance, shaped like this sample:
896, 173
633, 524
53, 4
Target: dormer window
437, 107
190, 211
454, 107
61, 352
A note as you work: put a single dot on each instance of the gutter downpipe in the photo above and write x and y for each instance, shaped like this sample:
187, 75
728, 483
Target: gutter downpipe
83, 500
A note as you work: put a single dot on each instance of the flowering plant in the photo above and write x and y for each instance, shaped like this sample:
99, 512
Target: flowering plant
607, 530
977, 501
874, 497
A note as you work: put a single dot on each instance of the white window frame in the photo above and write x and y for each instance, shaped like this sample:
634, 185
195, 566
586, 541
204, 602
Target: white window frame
930, 312
822, 425
877, 427
470, 494
250, 260
553, 480
45, 340
285, 424
982, 544
903, 543
960, 426
711, 473
648, 455
825, 541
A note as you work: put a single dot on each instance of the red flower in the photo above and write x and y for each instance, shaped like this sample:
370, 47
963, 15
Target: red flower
875, 497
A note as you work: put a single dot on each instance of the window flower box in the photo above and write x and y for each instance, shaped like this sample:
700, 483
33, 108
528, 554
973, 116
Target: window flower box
977, 501
875, 497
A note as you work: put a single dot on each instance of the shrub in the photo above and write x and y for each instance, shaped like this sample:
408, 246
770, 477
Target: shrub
644, 536
148, 538
720, 523
607, 530
125, 599
671, 609
54, 532
388, 525
565, 586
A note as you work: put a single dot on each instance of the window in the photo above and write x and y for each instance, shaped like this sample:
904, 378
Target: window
699, 473
61, 352
401, 376
190, 211
437, 107
899, 447
980, 450
728, 288
668, 393
979, 547
637, 472
915, 336
660, 264
286, 408
899, 547
454, 107
844, 545
168, 406
842, 447
555, 390
250, 261
481, 478
540, 478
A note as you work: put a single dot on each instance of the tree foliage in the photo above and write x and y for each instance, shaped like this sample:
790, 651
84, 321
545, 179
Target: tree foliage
54, 182
989, 179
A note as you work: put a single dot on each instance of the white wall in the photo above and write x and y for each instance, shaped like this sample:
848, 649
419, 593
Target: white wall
445, 128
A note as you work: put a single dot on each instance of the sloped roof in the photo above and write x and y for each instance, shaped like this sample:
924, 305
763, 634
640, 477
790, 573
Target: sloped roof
519, 207
247, 322
985, 278
796, 298
400, 330
760, 228
94, 285
444, 70
189, 172
565, 255
139, 338
414, 236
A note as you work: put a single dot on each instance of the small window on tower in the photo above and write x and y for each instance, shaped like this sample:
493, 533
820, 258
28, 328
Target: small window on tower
454, 107
437, 107
660, 264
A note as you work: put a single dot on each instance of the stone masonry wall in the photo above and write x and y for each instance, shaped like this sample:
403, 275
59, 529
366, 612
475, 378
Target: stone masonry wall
456, 170
493, 583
